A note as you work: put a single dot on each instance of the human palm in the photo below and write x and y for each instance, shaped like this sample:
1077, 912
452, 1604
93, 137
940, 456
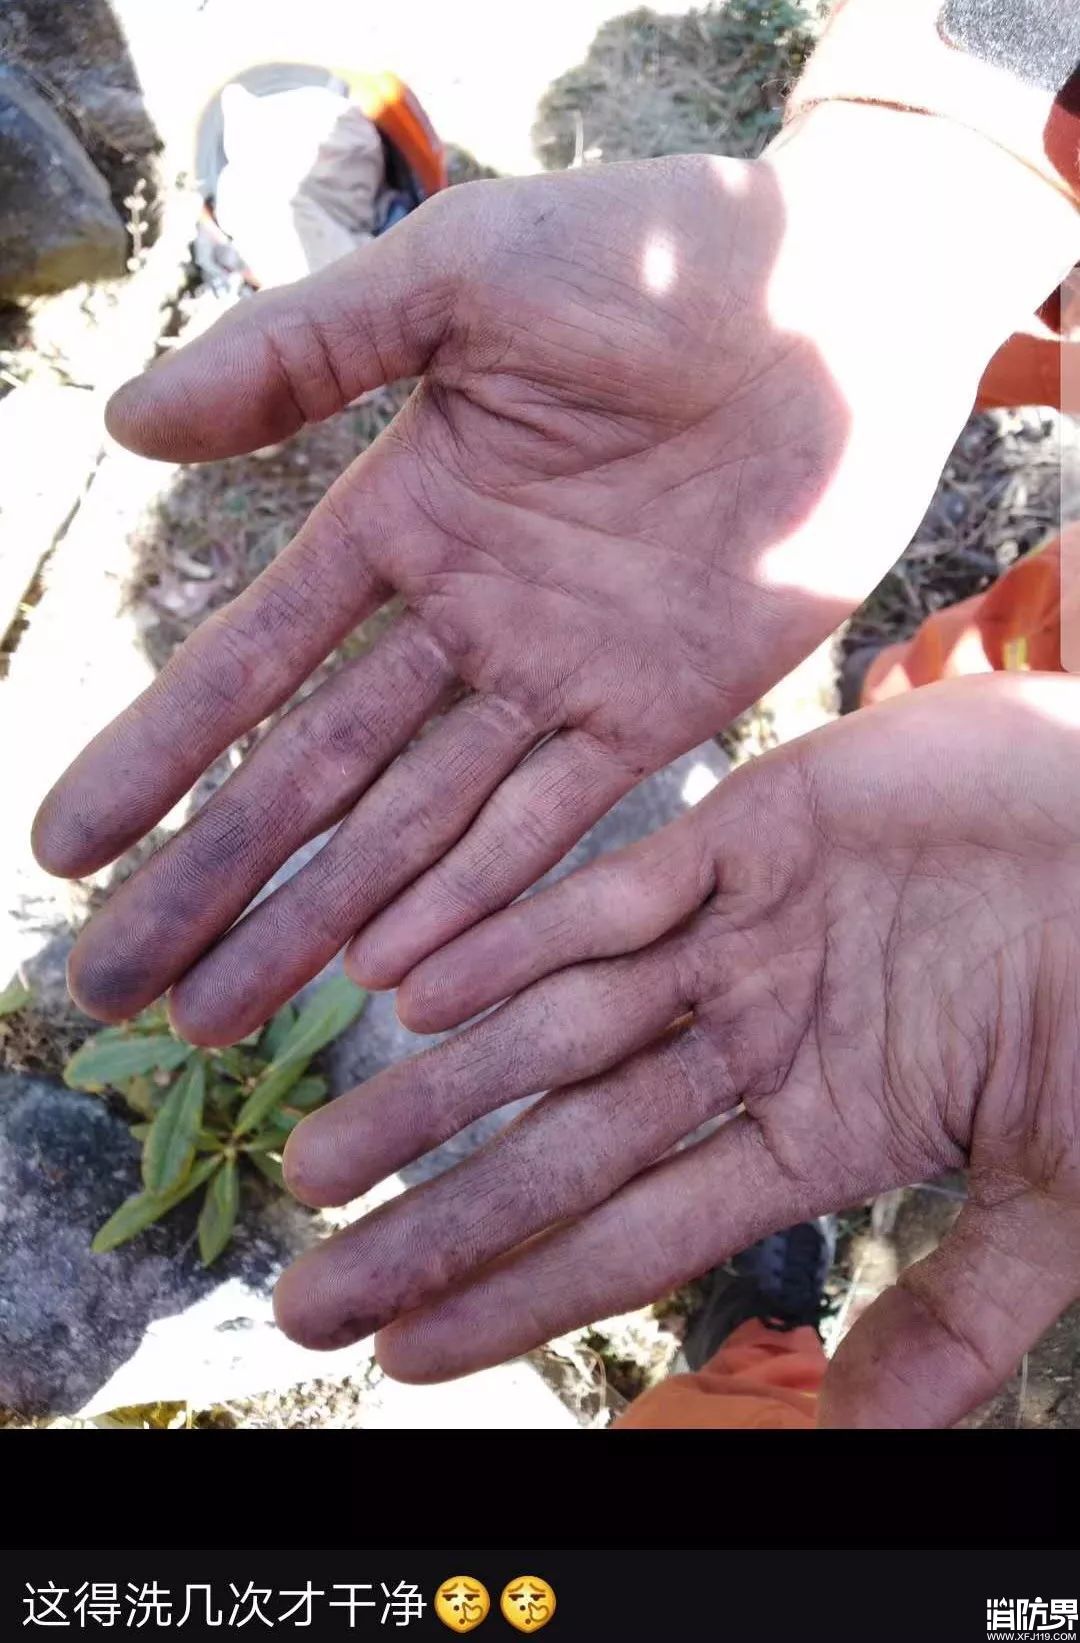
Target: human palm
857, 960
637, 481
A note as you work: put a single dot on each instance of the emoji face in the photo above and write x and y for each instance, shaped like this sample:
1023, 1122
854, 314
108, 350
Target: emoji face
527, 1603
462, 1603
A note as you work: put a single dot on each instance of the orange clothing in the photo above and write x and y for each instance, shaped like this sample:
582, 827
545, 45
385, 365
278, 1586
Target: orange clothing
760, 1377
1032, 368
1015, 624
1039, 365
396, 111
1028, 621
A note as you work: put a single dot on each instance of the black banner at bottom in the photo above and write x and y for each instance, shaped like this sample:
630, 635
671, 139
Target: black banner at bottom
570, 1594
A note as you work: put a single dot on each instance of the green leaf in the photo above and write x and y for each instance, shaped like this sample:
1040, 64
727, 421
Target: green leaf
144, 1208
298, 1101
222, 1095
99, 1064
308, 1093
14, 997
218, 1214
269, 1166
210, 1141
141, 1096
272, 1087
170, 1147
265, 1141
154, 1019
332, 1008
235, 1064
139, 1132
278, 1030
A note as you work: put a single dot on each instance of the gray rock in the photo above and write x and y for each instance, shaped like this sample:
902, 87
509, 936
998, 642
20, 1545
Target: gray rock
45, 973
77, 51
58, 224
378, 1039
84, 1332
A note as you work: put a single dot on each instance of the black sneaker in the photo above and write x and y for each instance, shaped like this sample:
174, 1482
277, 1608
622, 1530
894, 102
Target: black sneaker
780, 1280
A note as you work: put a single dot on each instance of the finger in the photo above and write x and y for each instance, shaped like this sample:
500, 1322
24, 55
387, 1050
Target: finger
297, 782
618, 904
528, 825
293, 355
419, 807
569, 1027
240, 665
670, 1224
563, 1156
957, 1324
300, 353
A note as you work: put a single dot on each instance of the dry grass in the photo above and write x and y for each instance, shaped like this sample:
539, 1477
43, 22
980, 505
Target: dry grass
710, 81
39, 1040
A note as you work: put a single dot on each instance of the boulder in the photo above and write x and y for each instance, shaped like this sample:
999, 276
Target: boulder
78, 53
58, 223
81, 1332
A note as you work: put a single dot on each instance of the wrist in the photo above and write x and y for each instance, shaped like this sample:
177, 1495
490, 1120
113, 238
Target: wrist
922, 220
998, 68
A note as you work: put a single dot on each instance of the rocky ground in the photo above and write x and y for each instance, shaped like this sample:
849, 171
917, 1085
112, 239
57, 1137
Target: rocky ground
107, 562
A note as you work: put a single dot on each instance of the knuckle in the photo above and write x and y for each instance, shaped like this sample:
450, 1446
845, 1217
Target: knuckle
330, 733
224, 836
517, 715
555, 923
215, 666
302, 357
464, 889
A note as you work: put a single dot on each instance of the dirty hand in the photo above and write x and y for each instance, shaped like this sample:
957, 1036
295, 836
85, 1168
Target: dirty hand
675, 420
862, 953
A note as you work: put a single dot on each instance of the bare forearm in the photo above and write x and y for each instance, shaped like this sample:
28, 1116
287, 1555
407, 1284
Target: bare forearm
1008, 71
974, 157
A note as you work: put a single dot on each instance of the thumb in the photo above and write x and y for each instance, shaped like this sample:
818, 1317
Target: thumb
957, 1324
301, 352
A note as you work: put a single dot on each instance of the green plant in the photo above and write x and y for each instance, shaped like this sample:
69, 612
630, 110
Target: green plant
14, 997
203, 1114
